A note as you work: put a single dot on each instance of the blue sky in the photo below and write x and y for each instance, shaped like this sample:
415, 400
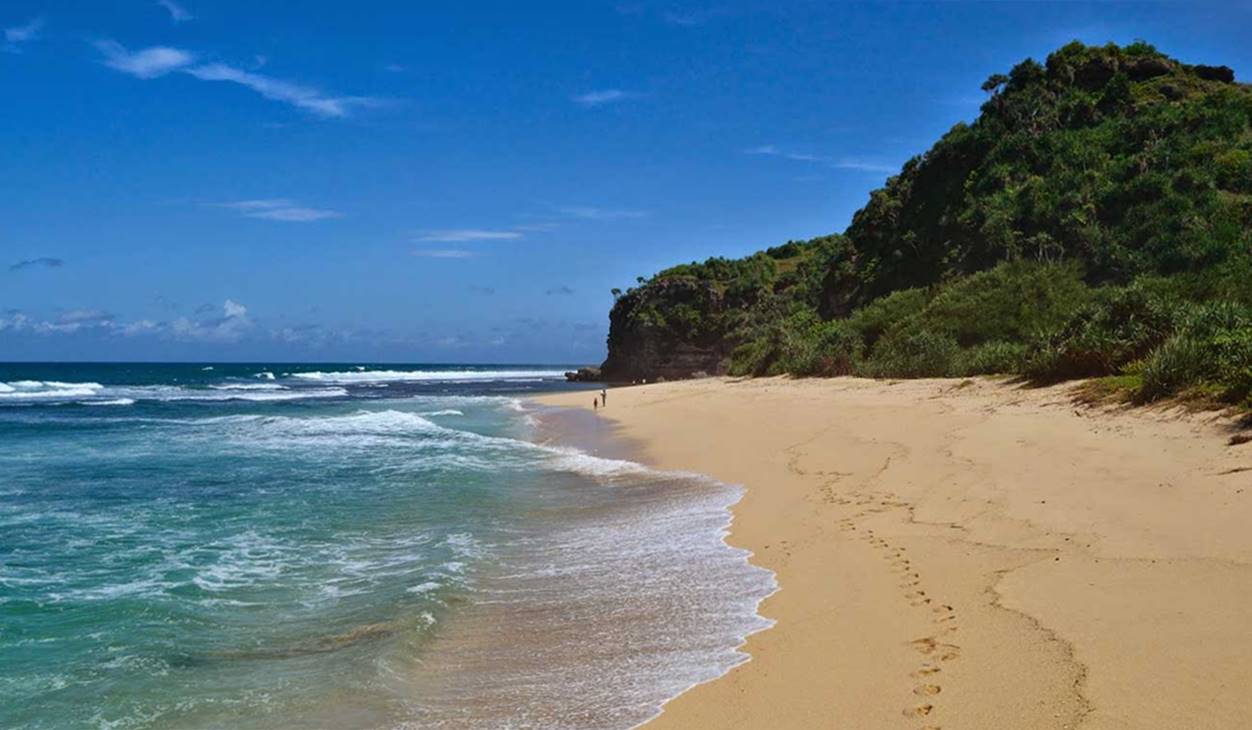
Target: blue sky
460, 182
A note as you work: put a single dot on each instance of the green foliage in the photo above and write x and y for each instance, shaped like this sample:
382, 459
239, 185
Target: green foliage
820, 348
1115, 157
1010, 302
802, 345
875, 319
1095, 220
990, 358
1212, 347
917, 353
1124, 324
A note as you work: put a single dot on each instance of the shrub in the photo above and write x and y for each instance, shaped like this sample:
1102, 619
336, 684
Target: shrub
913, 353
1124, 324
752, 358
990, 358
1009, 302
1211, 348
874, 319
828, 348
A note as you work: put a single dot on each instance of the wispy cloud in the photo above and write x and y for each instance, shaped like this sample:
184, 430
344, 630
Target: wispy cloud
177, 12
465, 235
46, 262
604, 96
18, 35
85, 315
693, 18
279, 209
148, 63
68, 322
769, 150
151, 63
561, 290
228, 322
304, 97
587, 212
443, 253
865, 166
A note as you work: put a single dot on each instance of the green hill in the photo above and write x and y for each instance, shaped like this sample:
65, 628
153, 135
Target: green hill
1096, 219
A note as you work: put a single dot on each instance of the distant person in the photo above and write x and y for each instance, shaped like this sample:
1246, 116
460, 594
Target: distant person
604, 396
595, 404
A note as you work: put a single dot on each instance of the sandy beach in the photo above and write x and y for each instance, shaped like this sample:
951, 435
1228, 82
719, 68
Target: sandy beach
968, 554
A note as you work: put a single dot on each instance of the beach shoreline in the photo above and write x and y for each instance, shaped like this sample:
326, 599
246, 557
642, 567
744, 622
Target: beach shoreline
966, 553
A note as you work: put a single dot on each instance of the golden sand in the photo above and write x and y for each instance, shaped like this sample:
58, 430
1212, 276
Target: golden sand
968, 554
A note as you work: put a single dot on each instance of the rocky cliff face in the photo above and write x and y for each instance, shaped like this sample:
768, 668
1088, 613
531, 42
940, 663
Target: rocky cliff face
662, 331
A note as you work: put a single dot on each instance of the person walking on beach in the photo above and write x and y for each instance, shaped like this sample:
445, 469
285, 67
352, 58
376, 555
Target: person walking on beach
595, 404
604, 396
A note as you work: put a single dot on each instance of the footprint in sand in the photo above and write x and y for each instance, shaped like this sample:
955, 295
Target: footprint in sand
926, 671
919, 711
930, 646
927, 690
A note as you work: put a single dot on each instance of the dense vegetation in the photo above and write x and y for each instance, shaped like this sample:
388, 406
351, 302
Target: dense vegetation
1095, 220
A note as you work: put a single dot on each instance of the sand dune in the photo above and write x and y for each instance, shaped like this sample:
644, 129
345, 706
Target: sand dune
969, 554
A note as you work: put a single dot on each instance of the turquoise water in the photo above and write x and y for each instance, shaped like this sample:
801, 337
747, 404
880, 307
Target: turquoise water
347, 546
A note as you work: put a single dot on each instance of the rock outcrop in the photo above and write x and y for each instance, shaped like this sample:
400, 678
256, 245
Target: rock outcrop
667, 330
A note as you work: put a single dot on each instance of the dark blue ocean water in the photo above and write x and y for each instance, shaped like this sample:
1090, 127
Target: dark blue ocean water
272, 545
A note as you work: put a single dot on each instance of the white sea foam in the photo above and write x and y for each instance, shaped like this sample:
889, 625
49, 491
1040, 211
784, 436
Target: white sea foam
264, 375
24, 390
49, 391
444, 412
466, 376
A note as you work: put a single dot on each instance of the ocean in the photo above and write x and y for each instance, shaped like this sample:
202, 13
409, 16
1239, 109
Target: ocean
372, 546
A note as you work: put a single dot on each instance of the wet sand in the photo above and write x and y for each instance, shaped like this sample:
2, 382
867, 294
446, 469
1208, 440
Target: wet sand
968, 554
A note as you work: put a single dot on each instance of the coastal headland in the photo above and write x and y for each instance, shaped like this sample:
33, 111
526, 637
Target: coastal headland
968, 553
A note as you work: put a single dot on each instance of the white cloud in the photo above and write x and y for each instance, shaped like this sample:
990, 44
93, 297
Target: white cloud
769, 150
279, 209
303, 97
587, 212
14, 322
68, 322
603, 96
150, 63
177, 12
230, 327
17, 35
443, 253
146, 64
84, 316
693, 19
462, 235
866, 166
234, 309
140, 327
